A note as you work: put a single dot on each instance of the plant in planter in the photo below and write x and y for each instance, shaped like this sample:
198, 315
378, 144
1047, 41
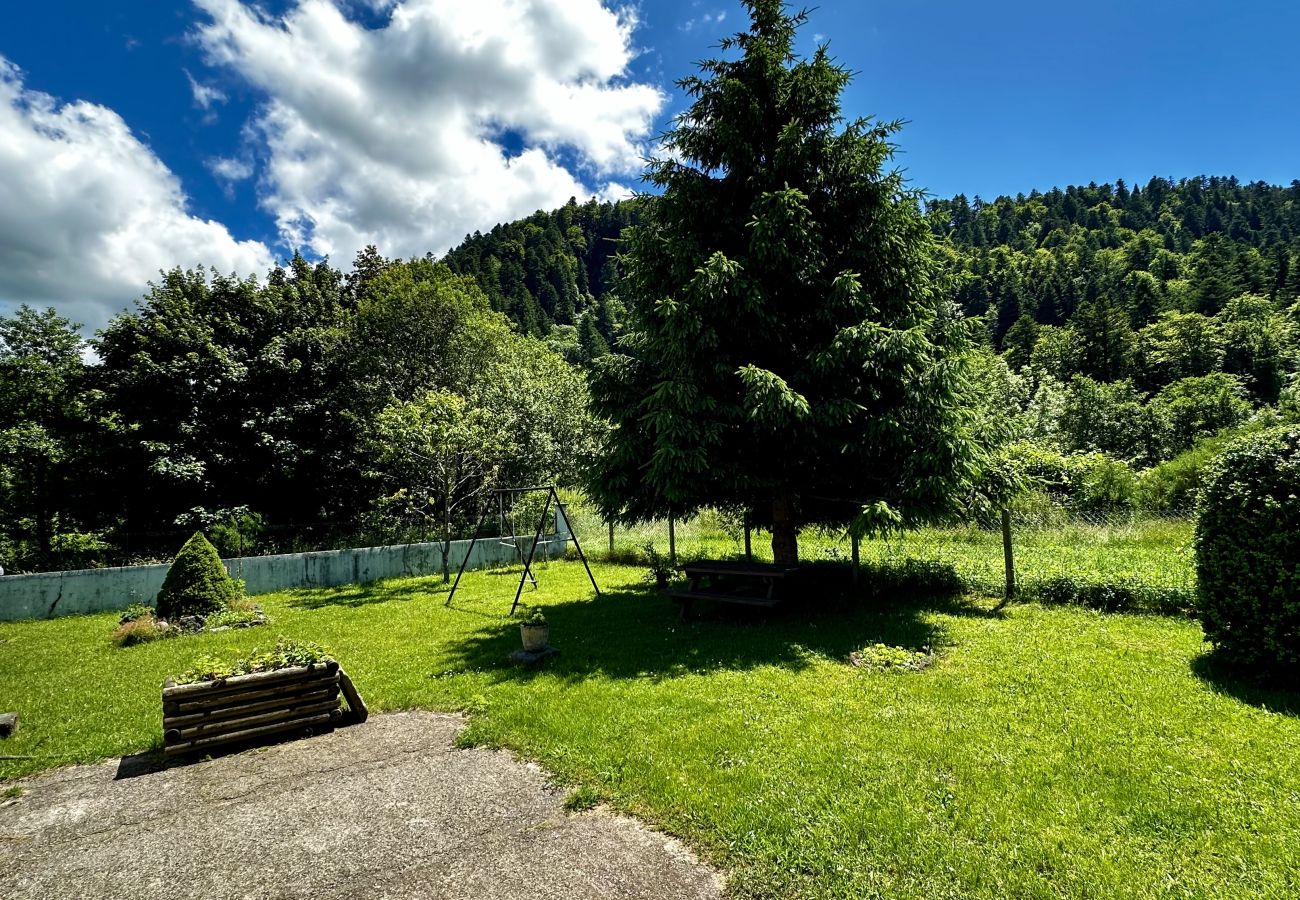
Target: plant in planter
536, 632
660, 568
293, 687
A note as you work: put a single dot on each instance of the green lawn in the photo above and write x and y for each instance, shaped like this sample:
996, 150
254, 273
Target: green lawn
1048, 752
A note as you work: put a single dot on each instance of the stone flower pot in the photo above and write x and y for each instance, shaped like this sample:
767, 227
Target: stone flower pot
536, 637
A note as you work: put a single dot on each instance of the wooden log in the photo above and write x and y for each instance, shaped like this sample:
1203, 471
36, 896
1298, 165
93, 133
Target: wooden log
232, 712
355, 703
240, 682
232, 726
252, 734
172, 707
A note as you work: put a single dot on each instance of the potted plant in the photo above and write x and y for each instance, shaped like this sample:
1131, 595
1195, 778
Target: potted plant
660, 569
536, 633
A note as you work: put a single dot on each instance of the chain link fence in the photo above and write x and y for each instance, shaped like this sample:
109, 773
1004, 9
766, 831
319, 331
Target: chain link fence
1106, 559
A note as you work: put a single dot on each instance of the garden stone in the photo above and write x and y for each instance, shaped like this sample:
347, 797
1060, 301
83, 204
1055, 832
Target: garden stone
533, 657
8, 724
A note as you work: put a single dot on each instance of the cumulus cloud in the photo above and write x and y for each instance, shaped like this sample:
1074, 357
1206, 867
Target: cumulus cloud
397, 135
88, 213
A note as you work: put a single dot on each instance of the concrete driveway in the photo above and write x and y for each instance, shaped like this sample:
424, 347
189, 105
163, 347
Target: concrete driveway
388, 809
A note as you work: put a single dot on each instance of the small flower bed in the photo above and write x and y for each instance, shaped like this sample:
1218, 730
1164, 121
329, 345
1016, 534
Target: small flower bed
884, 658
284, 655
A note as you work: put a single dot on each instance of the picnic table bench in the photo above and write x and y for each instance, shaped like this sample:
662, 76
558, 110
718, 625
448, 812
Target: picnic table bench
744, 583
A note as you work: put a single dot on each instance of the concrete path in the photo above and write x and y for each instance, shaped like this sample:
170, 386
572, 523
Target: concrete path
388, 809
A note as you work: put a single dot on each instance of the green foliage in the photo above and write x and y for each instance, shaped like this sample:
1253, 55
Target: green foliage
196, 583
1112, 596
1107, 418
1086, 482
660, 569
135, 611
912, 578
235, 532
235, 617
286, 654
535, 617
1103, 483
884, 658
1247, 545
583, 798
1173, 485
1179, 345
781, 294
50, 437
1198, 407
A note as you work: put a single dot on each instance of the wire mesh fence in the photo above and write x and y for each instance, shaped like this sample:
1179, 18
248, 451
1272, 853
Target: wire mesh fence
1057, 553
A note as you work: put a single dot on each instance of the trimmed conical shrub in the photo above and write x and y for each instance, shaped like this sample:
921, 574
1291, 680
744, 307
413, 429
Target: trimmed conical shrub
197, 583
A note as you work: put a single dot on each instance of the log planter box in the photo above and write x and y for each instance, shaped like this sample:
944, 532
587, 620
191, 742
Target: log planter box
210, 715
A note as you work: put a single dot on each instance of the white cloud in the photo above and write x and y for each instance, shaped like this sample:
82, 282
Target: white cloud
228, 168
393, 135
88, 213
205, 95
706, 19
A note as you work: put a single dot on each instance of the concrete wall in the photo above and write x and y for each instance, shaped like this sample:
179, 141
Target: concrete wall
49, 594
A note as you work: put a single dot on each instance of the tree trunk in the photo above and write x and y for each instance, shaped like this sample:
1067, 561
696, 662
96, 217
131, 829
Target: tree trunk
785, 531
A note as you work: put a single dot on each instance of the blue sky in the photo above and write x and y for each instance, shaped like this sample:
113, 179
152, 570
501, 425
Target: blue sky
226, 152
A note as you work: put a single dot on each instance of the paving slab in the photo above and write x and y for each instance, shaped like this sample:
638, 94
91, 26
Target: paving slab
388, 809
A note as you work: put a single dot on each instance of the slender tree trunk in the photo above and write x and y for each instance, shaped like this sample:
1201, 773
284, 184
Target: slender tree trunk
785, 531
446, 546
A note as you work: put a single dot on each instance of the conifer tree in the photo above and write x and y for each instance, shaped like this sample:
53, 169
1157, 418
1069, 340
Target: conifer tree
789, 349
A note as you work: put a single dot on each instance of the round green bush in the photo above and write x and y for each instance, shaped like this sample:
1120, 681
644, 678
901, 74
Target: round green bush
1248, 549
197, 583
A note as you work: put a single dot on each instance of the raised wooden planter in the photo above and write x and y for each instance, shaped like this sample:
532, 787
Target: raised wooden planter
244, 708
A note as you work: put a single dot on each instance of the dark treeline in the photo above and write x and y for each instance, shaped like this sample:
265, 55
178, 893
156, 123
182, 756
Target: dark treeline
273, 411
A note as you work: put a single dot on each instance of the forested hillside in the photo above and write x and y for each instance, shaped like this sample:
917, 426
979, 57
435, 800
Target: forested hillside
1035, 259
554, 273
1123, 325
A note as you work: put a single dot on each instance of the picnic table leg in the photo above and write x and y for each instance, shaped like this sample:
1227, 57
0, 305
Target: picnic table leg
686, 601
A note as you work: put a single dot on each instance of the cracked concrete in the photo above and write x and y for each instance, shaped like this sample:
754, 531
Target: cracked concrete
388, 809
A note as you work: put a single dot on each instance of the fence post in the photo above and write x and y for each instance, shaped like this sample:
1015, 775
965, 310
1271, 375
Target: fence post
611, 538
1007, 556
856, 544
749, 548
672, 542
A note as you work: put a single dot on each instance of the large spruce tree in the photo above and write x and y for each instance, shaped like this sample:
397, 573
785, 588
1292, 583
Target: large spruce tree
789, 349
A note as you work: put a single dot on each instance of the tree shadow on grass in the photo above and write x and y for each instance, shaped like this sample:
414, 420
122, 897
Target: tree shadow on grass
638, 633
1269, 691
355, 595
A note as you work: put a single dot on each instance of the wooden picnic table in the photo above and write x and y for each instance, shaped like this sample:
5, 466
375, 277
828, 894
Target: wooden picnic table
744, 583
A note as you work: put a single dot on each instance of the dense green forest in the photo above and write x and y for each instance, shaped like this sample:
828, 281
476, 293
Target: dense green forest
291, 412
1121, 333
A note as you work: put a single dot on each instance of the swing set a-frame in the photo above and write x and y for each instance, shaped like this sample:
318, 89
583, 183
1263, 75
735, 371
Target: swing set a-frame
501, 495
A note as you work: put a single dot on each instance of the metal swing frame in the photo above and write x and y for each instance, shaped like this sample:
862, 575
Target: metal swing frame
527, 574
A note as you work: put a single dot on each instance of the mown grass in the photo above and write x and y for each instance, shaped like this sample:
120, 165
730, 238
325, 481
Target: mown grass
1048, 752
